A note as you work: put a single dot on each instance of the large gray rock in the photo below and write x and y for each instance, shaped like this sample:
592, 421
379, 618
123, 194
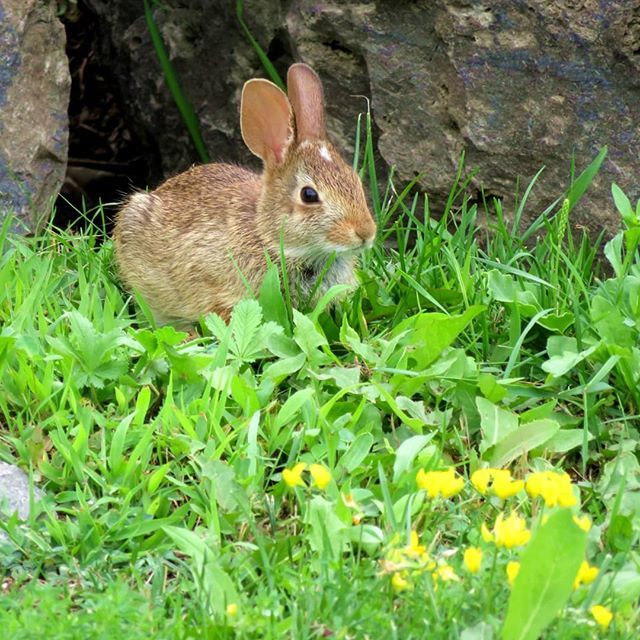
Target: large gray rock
34, 96
15, 492
514, 84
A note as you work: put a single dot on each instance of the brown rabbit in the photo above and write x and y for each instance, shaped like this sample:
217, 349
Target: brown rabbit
191, 246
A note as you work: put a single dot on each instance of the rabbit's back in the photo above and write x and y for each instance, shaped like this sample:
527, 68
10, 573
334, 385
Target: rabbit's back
174, 245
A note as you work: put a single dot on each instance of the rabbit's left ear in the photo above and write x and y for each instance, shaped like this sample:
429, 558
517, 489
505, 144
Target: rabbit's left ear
307, 99
265, 120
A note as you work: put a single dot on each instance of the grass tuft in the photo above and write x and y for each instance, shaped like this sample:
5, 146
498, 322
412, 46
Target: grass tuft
273, 477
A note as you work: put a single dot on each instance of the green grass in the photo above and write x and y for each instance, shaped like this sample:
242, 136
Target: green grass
162, 457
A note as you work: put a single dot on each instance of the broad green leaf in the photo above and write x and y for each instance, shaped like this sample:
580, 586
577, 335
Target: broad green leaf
539, 412
142, 405
548, 567
343, 376
230, 495
415, 408
559, 322
501, 286
350, 338
564, 355
566, 440
415, 423
271, 299
407, 452
334, 292
431, 333
620, 534
309, 338
214, 583
244, 393
157, 477
496, 423
610, 324
116, 458
358, 450
625, 583
368, 536
328, 533
245, 322
527, 437
490, 388
292, 405
284, 367
623, 205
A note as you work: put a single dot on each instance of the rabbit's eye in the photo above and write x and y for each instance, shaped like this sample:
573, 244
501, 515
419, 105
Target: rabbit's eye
309, 195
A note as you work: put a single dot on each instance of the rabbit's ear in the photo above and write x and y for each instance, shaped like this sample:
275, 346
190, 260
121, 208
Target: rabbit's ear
265, 120
307, 100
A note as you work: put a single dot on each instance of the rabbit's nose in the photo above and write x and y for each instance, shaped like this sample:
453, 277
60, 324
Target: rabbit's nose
367, 233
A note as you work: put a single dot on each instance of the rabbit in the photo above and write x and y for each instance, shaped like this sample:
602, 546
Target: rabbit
198, 242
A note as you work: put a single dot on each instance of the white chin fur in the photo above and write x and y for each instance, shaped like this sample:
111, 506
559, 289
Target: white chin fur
316, 252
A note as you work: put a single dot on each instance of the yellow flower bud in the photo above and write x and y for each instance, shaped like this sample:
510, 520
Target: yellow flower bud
414, 549
293, 477
513, 568
445, 573
487, 536
601, 615
472, 559
321, 476
586, 574
398, 582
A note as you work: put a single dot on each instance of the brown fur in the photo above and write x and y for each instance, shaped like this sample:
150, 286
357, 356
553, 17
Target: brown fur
183, 246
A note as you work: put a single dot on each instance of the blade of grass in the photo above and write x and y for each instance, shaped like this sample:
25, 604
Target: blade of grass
184, 106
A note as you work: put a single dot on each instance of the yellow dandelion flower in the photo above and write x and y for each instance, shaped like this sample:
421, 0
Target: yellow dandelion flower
232, 609
554, 487
439, 483
584, 522
321, 476
399, 582
487, 536
472, 559
513, 568
601, 615
511, 531
293, 477
586, 574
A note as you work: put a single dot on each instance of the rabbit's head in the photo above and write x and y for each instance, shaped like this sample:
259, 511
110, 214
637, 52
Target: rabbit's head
311, 197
